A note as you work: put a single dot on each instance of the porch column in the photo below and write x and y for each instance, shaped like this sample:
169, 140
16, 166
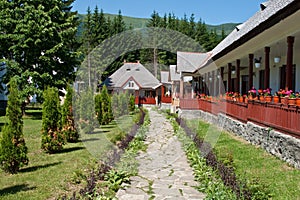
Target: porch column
251, 57
217, 91
289, 63
238, 68
229, 77
205, 84
267, 67
213, 83
208, 84
181, 88
222, 79
162, 91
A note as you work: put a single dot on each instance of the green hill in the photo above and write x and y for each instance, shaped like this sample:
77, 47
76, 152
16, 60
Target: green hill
142, 22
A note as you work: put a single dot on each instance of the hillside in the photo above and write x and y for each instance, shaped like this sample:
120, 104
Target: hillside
142, 22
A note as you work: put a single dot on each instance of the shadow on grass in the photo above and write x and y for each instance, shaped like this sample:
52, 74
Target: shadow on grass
109, 126
90, 140
70, 150
15, 189
99, 132
33, 115
34, 168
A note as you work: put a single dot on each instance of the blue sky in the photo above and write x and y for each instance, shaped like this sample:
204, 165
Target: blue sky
211, 11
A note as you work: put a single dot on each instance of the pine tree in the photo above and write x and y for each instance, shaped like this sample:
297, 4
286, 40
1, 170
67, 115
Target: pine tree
118, 23
68, 124
52, 137
87, 111
13, 150
155, 20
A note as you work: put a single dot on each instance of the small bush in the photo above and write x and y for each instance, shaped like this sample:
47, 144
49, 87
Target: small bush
131, 103
68, 124
87, 114
107, 115
52, 137
13, 150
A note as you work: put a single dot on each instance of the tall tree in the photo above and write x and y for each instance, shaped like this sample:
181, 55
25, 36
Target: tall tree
155, 20
13, 150
39, 37
118, 23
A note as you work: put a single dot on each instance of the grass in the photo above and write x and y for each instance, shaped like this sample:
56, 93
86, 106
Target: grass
253, 163
49, 176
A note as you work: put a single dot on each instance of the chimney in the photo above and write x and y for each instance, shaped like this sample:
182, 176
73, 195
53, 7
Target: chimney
138, 61
124, 61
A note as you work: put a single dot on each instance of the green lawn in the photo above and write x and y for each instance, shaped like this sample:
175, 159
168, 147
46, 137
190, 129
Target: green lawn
252, 162
50, 176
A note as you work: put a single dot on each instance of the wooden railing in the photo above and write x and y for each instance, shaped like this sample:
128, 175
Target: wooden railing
165, 99
145, 100
285, 118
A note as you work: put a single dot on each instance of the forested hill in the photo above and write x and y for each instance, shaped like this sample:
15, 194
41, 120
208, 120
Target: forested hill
142, 22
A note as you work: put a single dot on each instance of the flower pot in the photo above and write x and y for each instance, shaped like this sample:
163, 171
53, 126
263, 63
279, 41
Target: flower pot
284, 100
246, 100
261, 98
291, 101
241, 99
268, 98
276, 99
298, 101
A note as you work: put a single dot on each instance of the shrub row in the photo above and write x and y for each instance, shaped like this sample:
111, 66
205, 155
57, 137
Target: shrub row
58, 124
106, 173
226, 172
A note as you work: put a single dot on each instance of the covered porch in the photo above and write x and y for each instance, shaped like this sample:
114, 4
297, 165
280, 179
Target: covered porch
257, 62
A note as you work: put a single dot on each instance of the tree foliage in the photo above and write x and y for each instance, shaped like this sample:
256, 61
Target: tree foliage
96, 31
39, 37
13, 150
52, 137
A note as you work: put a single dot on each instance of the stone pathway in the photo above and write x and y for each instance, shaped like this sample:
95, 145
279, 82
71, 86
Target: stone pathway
164, 172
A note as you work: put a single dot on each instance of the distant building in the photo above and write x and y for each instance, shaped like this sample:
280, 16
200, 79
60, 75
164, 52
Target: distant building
136, 80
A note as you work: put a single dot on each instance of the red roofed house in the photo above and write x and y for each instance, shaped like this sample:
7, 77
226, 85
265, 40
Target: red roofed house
137, 80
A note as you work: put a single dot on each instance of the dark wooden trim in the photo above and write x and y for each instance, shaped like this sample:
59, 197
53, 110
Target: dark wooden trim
267, 67
251, 58
229, 77
276, 18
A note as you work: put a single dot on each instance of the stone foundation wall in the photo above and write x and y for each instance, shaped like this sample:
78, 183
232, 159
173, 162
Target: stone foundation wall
283, 146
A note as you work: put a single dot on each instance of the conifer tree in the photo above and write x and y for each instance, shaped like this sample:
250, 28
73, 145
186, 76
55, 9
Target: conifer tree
115, 105
68, 124
98, 108
87, 111
52, 137
131, 103
107, 115
13, 150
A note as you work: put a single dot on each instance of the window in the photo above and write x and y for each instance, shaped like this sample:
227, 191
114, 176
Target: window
131, 84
